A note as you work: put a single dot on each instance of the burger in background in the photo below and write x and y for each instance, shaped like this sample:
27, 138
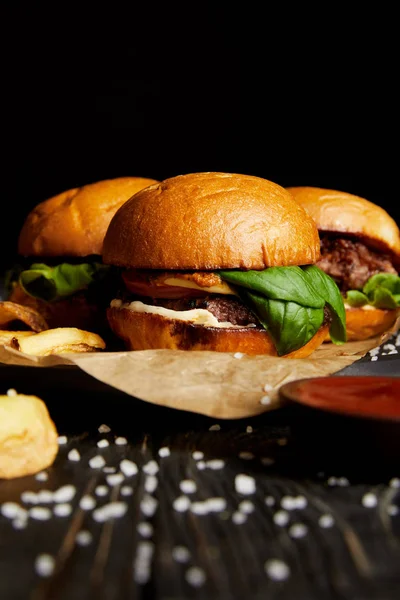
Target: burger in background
223, 262
60, 273
360, 250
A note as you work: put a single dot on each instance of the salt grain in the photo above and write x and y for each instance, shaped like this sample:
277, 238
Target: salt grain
394, 482
244, 484
238, 355
145, 529
12, 392
246, 507
151, 468
104, 428
265, 400
199, 508
198, 455
214, 427
62, 510
298, 530
195, 576
164, 452
270, 501
126, 490
121, 441
128, 467
201, 465
83, 538
10, 510
216, 504
74, 455
181, 554
249, 429
97, 462
103, 443
268, 387
101, 490
393, 510
277, 570
115, 479
326, 521
239, 518
62, 439
144, 554
148, 505
42, 476
45, 496
109, 469
181, 504
188, 486
87, 502
246, 455
369, 500
40, 513
281, 518
112, 510
44, 565
64, 494
29, 497
267, 461
214, 464
150, 484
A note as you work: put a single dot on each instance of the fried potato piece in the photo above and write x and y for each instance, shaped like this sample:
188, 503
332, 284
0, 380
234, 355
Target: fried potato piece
28, 436
11, 311
58, 341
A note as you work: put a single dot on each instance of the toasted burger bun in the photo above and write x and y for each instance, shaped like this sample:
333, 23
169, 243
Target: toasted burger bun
341, 212
203, 222
74, 222
144, 331
211, 221
363, 324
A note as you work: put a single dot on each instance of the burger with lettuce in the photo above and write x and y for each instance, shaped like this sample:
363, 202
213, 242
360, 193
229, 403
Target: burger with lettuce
223, 262
59, 272
360, 250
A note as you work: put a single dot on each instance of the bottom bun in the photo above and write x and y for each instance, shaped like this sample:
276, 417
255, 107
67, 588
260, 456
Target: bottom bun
362, 324
145, 331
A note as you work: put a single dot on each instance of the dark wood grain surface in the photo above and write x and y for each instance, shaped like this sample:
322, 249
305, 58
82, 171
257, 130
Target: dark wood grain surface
216, 510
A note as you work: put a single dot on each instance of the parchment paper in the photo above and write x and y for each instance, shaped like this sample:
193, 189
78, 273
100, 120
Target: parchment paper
216, 384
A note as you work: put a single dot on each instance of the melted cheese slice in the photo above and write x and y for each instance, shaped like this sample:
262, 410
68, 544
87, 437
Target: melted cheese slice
196, 316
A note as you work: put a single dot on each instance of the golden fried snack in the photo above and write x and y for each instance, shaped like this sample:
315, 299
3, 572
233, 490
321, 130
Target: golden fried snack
11, 311
28, 436
58, 341
6, 336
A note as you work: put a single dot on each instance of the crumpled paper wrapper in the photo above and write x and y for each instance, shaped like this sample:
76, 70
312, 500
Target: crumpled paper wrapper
215, 384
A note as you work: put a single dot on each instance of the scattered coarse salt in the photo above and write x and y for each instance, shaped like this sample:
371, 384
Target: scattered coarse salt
265, 400
64, 493
87, 502
198, 455
145, 529
270, 501
181, 504
20, 523
101, 490
293, 502
151, 468
41, 476
326, 521
244, 484
239, 518
195, 576
62, 510
394, 482
201, 465
393, 510
10, 510
277, 570
268, 387
246, 455
142, 565
216, 504
109, 470
97, 462
150, 484
44, 565
374, 358
40, 513
249, 429
115, 479
343, 481
45, 496
120, 441
238, 355
246, 507
267, 461
29, 497
298, 530
12, 392
74, 455
188, 486
199, 507
128, 467
148, 505
62, 439
181, 554
126, 490
112, 510
215, 427
281, 518
332, 481
164, 452
103, 443
103, 428
215, 464
83, 538
369, 500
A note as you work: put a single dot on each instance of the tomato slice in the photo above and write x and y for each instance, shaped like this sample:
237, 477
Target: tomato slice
148, 284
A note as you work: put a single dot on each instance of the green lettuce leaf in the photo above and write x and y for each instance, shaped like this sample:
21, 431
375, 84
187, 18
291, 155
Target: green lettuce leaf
380, 291
52, 283
289, 302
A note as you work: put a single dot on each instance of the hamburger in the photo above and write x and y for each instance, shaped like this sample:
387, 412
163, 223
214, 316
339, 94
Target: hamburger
360, 250
223, 262
60, 273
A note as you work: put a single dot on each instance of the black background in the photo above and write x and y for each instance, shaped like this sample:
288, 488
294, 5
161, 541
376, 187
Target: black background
160, 89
